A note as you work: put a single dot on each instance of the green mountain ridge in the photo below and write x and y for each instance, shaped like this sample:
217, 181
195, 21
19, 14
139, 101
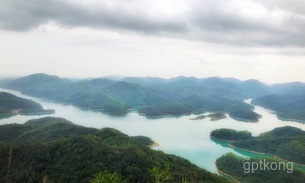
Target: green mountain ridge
290, 106
156, 96
59, 151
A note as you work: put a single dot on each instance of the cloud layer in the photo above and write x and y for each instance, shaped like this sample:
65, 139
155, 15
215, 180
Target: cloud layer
238, 22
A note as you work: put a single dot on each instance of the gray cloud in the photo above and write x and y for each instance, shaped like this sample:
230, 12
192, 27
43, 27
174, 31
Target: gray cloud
23, 15
292, 6
280, 22
220, 21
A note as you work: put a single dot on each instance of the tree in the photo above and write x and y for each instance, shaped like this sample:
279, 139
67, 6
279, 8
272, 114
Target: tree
161, 175
106, 177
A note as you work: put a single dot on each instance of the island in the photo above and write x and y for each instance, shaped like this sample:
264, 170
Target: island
246, 116
198, 117
230, 134
213, 116
216, 116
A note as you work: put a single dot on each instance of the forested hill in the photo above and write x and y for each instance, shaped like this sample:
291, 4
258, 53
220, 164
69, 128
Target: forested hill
157, 97
243, 170
11, 104
56, 150
289, 107
284, 142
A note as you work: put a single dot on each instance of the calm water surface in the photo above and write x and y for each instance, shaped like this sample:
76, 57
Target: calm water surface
180, 136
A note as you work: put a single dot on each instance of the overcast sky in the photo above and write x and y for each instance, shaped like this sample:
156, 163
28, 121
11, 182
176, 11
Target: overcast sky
165, 38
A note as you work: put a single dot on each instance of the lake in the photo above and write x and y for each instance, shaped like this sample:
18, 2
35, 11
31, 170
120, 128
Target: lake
176, 135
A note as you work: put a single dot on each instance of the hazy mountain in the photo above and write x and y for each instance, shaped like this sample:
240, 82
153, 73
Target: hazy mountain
161, 96
296, 88
134, 94
290, 106
11, 104
146, 81
253, 88
36, 81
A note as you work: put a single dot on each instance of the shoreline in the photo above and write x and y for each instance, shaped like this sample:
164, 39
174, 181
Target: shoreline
261, 153
5, 114
303, 165
248, 150
163, 116
215, 138
154, 144
226, 174
289, 119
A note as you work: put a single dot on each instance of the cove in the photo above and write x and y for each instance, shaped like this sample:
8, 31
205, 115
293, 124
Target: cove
175, 135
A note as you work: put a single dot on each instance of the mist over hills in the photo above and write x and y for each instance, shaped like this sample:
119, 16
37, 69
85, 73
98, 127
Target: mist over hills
155, 97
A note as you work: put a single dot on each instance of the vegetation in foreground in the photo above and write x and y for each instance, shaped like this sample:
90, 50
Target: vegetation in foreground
55, 150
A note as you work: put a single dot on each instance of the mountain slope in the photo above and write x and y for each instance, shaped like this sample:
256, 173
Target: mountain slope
284, 142
291, 107
253, 88
11, 104
244, 170
159, 96
60, 151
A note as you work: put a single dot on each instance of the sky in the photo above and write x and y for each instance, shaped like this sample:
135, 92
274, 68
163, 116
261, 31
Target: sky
244, 39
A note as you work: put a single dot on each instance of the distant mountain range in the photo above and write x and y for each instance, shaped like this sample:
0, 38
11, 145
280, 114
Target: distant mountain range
155, 97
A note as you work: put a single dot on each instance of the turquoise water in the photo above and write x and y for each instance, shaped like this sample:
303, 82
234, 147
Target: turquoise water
180, 136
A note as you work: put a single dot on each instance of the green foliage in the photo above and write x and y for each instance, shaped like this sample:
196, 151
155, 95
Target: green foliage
284, 142
292, 150
63, 152
106, 177
8, 102
284, 132
240, 168
161, 175
184, 180
230, 134
144, 140
11, 131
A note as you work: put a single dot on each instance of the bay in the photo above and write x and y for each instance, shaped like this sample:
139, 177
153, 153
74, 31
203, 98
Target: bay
175, 135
